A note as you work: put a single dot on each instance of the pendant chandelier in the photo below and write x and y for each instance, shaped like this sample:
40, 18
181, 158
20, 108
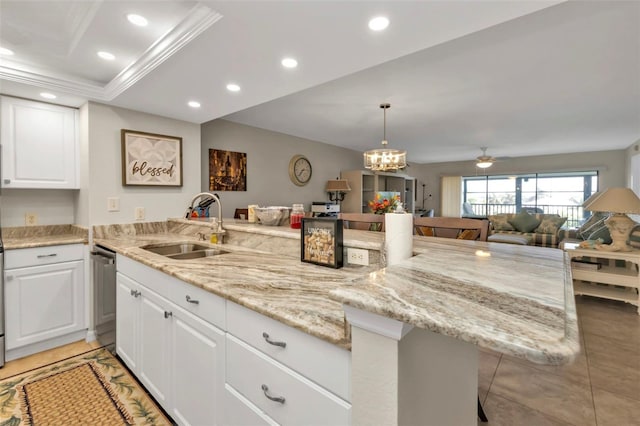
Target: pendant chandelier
385, 159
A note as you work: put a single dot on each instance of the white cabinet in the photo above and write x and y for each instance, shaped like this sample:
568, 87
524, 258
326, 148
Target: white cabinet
364, 185
40, 145
44, 298
284, 375
177, 356
127, 320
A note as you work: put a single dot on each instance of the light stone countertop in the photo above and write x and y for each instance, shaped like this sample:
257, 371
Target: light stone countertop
280, 287
21, 237
517, 301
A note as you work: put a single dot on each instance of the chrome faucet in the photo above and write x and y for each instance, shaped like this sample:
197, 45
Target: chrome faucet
205, 195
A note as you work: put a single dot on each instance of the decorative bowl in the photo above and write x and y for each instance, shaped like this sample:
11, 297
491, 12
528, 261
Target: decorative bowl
272, 215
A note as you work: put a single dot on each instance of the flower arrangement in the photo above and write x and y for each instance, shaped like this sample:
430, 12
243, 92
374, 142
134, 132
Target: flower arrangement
382, 205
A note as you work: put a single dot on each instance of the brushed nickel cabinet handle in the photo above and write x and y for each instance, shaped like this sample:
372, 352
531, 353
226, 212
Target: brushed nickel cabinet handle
41, 256
279, 399
190, 300
168, 314
7, 181
135, 293
273, 342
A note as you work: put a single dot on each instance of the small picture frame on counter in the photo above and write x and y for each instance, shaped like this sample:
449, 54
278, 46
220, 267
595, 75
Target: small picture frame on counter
321, 241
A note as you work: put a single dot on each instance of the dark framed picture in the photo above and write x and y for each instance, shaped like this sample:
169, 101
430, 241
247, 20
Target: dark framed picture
227, 170
149, 159
321, 241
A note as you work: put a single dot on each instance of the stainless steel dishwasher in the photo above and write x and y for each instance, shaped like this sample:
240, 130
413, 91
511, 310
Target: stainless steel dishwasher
103, 262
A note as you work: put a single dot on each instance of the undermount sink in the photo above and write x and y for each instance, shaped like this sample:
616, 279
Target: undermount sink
183, 251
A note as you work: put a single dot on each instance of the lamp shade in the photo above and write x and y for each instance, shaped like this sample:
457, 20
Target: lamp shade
591, 199
614, 200
338, 185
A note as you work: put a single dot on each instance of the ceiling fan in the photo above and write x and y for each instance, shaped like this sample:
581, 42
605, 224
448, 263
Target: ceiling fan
484, 161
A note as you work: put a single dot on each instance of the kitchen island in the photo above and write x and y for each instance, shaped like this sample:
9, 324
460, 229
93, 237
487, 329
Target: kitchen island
423, 318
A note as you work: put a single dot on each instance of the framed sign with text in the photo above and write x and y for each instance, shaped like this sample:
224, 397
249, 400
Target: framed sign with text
321, 241
149, 159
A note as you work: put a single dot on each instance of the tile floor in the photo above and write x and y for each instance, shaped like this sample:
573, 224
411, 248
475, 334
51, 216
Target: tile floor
602, 386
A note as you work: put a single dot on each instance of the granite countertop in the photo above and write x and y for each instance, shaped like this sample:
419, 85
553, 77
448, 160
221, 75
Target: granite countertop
519, 300
512, 299
279, 287
20, 237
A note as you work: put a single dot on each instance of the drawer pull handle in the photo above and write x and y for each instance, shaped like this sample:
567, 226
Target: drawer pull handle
190, 300
135, 293
41, 256
279, 399
168, 314
272, 342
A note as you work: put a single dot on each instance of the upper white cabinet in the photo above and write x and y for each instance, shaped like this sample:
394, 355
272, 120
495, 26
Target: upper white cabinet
40, 145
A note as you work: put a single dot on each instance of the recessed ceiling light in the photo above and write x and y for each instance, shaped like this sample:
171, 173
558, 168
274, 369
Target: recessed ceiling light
138, 20
378, 23
47, 95
289, 63
232, 87
5, 51
106, 55
194, 104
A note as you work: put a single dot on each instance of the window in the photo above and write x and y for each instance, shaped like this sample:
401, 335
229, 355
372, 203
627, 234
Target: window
551, 193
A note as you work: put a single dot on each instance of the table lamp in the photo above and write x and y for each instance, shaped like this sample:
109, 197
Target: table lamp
337, 188
619, 202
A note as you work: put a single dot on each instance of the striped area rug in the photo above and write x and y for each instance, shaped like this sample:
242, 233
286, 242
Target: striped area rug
89, 389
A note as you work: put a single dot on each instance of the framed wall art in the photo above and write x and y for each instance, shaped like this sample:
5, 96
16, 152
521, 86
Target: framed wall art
227, 170
321, 241
149, 159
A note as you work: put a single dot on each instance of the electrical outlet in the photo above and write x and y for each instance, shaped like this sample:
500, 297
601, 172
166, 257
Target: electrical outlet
139, 213
30, 219
113, 204
357, 256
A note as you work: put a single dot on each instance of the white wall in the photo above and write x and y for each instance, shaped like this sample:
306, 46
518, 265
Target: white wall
611, 165
103, 171
268, 155
53, 206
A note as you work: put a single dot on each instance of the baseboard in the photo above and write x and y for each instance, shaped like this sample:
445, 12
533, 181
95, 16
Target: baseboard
33, 348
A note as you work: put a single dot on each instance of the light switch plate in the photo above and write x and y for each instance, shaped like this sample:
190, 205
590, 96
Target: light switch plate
139, 213
113, 204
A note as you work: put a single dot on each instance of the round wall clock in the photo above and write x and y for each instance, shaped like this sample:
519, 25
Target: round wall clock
300, 170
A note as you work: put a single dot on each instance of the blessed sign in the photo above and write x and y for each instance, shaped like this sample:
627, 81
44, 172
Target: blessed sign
151, 160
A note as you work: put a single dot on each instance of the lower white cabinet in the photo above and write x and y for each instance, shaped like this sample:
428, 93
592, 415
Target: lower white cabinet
208, 361
177, 356
44, 298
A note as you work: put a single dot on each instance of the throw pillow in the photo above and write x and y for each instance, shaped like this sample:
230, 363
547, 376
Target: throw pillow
524, 222
602, 232
468, 234
500, 222
592, 224
550, 224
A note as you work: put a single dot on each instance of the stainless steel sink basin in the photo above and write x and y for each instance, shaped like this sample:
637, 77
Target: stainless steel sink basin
183, 251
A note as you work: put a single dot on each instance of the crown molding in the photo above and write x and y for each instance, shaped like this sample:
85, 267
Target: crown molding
199, 19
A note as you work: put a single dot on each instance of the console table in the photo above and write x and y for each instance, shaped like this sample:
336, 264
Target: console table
611, 281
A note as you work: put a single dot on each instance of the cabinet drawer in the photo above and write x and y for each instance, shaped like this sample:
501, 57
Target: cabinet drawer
258, 377
35, 256
324, 363
199, 302
145, 275
241, 412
